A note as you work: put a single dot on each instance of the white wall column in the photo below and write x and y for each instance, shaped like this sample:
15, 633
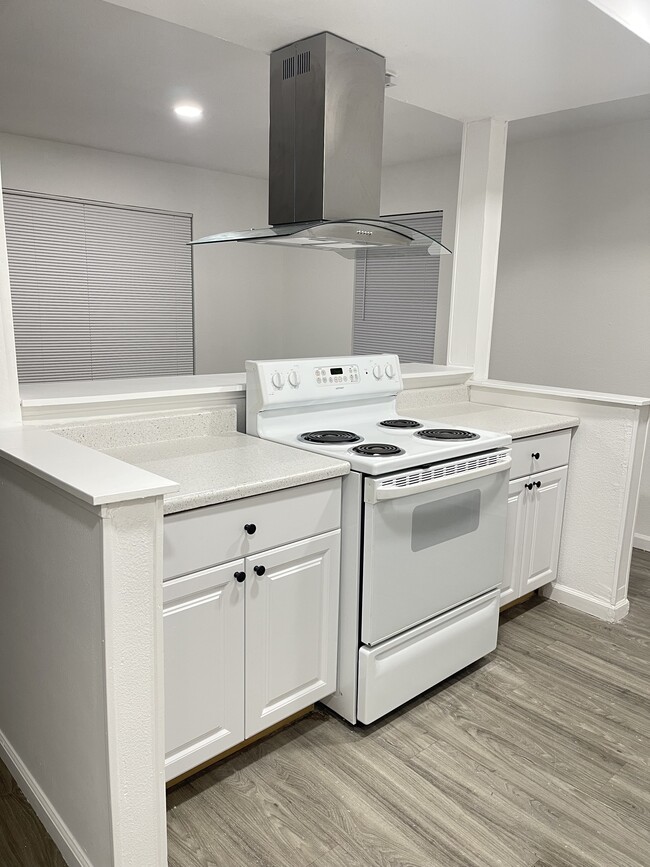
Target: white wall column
476, 248
9, 395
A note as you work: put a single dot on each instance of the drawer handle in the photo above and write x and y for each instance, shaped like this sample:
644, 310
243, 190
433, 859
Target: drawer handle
259, 570
529, 485
538, 484
250, 528
240, 576
535, 455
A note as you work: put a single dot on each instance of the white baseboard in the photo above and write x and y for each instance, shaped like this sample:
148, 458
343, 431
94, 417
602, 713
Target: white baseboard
71, 851
642, 541
584, 602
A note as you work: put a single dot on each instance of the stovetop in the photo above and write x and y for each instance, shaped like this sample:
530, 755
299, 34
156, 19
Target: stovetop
346, 408
372, 447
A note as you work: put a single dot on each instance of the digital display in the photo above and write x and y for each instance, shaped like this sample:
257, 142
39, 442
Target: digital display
336, 371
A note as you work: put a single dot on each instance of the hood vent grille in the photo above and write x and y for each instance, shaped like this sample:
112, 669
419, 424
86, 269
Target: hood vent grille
304, 62
288, 68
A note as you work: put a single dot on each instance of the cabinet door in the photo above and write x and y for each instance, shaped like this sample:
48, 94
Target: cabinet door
203, 627
292, 598
512, 573
544, 511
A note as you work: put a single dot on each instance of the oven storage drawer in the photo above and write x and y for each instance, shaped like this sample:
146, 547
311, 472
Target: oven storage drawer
401, 668
552, 448
202, 538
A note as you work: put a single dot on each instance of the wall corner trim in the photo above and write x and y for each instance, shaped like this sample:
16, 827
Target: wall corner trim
586, 603
642, 541
67, 844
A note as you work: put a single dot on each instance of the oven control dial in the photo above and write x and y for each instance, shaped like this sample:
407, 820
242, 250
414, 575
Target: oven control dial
294, 379
390, 371
277, 379
377, 372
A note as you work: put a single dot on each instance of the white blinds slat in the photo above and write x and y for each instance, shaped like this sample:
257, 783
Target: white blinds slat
396, 295
98, 292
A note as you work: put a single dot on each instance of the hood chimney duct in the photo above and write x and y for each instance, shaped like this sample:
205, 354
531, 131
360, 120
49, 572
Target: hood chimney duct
326, 128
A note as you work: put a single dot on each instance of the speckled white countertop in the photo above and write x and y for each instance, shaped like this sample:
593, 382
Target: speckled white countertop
205, 455
212, 463
426, 404
215, 469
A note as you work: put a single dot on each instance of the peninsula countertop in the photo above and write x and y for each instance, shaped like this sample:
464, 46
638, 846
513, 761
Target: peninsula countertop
216, 469
518, 423
204, 454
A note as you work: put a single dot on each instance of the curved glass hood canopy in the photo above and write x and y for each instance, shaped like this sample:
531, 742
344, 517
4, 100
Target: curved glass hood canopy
345, 237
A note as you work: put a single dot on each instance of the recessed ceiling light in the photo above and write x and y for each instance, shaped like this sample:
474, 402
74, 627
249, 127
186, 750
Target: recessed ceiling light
188, 111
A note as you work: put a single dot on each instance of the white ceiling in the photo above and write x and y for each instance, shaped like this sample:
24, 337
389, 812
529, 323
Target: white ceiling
95, 73
465, 59
633, 14
91, 73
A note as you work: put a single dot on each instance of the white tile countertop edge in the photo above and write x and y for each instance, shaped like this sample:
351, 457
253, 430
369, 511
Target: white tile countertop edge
569, 394
44, 394
416, 375
111, 390
89, 475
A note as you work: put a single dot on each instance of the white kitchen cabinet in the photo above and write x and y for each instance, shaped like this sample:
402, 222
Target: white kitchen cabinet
249, 642
544, 511
535, 511
291, 629
205, 537
511, 585
203, 629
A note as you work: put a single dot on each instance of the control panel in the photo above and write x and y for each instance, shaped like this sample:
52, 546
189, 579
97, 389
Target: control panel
309, 380
335, 375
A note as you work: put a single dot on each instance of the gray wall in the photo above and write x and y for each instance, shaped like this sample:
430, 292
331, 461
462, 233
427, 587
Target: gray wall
431, 185
52, 690
573, 288
237, 287
250, 301
319, 296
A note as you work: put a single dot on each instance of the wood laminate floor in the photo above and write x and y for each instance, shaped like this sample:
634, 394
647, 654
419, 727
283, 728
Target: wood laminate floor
539, 756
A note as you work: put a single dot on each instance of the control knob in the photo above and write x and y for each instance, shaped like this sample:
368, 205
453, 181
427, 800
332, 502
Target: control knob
390, 371
277, 379
377, 372
294, 379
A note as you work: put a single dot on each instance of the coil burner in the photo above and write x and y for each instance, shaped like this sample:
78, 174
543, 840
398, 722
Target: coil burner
400, 423
330, 437
378, 450
446, 434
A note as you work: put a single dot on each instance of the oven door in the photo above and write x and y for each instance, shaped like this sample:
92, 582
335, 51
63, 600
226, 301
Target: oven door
433, 538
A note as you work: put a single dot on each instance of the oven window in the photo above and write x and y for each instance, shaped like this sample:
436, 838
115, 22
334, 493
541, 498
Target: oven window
442, 520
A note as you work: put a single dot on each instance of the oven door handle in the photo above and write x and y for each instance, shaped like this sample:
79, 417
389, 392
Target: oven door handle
374, 493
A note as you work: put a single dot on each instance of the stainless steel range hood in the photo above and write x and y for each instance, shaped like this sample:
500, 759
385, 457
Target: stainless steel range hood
325, 142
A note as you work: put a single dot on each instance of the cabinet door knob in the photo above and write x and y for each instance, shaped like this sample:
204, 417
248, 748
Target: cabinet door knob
240, 576
538, 484
259, 570
250, 528
535, 455
529, 485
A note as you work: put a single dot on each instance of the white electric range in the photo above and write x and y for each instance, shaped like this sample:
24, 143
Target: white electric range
423, 523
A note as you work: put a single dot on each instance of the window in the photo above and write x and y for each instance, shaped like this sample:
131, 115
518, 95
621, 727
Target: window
98, 290
396, 295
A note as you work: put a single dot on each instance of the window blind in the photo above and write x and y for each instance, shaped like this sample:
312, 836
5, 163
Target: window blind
396, 296
98, 290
